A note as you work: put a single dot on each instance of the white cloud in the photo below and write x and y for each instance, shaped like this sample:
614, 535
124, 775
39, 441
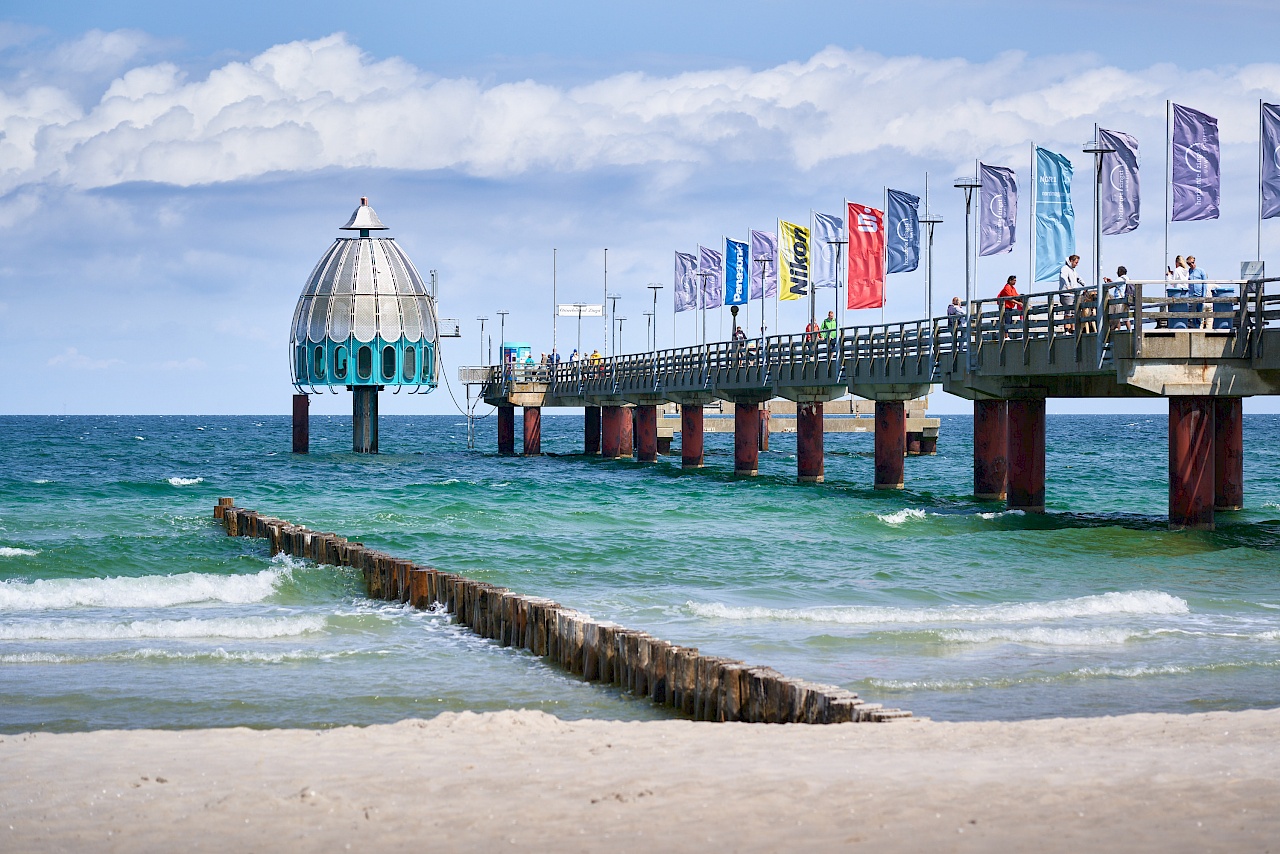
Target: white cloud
320, 104
73, 359
191, 364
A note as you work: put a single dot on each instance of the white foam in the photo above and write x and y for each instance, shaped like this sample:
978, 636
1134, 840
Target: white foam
217, 654
999, 513
1044, 635
1271, 504
1128, 602
140, 439
900, 516
226, 627
10, 551
185, 481
147, 591
41, 480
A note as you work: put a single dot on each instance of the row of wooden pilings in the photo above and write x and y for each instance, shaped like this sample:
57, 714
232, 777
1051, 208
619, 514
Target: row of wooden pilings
704, 687
613, 432
1206, 456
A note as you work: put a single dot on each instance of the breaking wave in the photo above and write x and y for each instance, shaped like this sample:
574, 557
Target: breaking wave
256, 628
147, 591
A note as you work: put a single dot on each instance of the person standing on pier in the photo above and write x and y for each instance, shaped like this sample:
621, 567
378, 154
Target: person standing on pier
1009, 308
1196, 288
1069, 283
829, 326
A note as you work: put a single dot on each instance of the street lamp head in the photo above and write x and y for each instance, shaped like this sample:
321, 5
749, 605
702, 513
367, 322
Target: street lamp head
967, 183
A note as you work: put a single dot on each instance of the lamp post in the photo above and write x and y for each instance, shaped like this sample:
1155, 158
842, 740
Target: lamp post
648, 325
1097, 148
655, 287
968, 185
502, 327
613, 315
482, 357
929, 220
618, 343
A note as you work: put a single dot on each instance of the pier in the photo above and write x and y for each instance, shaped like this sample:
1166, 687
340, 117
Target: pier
701, 686
1007, 363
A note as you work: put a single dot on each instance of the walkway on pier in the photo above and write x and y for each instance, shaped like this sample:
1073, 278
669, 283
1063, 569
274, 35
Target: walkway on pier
1056, 344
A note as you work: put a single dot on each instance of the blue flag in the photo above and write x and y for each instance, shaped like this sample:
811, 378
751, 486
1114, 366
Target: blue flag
997, 209
902, 232
1270, 160
1196, 162
686, 281
736, 272
1055, 217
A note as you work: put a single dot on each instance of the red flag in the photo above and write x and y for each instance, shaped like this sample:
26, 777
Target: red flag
866, 256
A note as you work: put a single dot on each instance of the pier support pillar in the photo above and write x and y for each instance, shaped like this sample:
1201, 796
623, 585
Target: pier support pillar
1228, 453
1025, 419
809, 462
990, 449
301, 423
664, 445
915, 441
647, 433
506, 429
891, 443
610, 431
691, 435
746, 439
764, 427
533, 431
1191, 458
626, 431
591, 430
364, 419
928, 445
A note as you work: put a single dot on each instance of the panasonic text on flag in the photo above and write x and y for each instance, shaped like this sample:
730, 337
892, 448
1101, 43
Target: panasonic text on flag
902, 235
1196, 162
736, 259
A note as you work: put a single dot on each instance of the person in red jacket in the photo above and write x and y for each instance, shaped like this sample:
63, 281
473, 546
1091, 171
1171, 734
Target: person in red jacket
1010, 307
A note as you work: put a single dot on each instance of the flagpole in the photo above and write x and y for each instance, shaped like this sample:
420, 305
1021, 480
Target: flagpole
977, 226
813, 289
1258, 255
555, 309
605, 352
848, 228
928, 277
1168, 178
1035, 225
884, 251
777, 292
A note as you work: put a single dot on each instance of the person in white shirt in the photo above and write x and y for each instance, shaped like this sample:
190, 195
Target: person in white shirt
1068, 282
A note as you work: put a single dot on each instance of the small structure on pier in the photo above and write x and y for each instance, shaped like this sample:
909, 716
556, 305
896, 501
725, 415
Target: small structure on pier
365, 321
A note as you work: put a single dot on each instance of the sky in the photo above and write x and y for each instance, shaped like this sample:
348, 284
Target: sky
170, 175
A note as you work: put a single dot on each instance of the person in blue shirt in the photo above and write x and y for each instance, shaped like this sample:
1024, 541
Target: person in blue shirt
1195, 288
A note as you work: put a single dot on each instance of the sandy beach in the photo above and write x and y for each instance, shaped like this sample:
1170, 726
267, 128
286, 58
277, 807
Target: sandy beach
529, 781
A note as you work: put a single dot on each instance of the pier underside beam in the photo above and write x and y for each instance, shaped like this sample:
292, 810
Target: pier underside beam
610, 431
532, 431
1026, 455
1228, 453
301, 423
364, 419
746, 439
810, 466
691, 435
891, 444
591, 430
990, 449
647, 433
506, 429
1191, 458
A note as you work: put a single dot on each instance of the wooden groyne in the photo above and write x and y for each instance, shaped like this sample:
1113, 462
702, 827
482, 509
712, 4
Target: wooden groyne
704, 687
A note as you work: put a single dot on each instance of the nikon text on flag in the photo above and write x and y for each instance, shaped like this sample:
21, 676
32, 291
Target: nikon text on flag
793, 272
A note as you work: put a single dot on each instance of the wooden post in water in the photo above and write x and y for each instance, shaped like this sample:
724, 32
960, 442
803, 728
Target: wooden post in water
301, 423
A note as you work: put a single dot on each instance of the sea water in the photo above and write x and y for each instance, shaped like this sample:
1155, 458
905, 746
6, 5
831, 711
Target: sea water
122, 604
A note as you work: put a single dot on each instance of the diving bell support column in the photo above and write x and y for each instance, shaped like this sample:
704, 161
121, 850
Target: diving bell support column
1025, 418
691, 435
809, 426
1228, 453
301, 423
506, 429
364, 419
1191, 453
990, 449
891, 444
591, 430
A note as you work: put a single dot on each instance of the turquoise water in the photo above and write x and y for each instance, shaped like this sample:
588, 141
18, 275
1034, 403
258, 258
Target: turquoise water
123, 605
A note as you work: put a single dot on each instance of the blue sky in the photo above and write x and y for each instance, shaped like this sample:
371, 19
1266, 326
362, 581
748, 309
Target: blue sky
169, 175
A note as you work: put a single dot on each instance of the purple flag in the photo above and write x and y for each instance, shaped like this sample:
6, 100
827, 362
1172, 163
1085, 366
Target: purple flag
686, 281
710, 270
1270, 160
1119, 201
1196, 159
997, 209
764, 276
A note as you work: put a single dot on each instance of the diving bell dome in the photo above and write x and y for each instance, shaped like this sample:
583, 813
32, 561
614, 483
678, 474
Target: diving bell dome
365, 317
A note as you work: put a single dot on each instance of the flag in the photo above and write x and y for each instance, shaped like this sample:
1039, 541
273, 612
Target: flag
828, 234
866, 256
1118, 202
736, 259
1270, 160
902, 235
1055, 218
793, 260
764, 276
686, 282
1196, 158
710, 263
997, 209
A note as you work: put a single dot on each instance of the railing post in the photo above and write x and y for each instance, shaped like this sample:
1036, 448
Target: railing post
1137, 321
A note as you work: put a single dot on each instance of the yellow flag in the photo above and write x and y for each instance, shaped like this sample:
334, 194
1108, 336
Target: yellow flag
793, 258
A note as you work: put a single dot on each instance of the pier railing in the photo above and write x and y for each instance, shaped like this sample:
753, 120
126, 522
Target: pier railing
1082, 325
